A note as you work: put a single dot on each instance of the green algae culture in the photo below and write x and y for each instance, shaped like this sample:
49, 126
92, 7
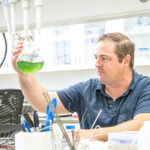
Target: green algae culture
29, 67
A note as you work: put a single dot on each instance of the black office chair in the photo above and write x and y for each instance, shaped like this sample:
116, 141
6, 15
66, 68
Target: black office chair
11, 102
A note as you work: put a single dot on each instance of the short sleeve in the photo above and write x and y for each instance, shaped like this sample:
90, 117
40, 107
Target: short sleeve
143, 103
70, 97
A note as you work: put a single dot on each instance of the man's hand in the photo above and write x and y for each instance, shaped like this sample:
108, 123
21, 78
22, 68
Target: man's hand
102, 133
15, 54
96, 134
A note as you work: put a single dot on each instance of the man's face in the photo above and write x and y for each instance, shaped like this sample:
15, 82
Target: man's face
109, 69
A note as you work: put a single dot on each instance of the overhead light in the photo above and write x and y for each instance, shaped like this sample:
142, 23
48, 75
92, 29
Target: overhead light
143, 1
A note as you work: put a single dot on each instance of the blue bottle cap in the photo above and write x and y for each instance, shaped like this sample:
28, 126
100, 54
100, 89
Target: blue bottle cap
70, 127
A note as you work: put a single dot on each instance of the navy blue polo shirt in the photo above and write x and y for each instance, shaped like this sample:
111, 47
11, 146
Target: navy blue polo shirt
89, 97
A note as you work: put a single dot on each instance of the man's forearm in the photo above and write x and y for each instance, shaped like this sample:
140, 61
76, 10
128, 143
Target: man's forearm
132, 125
102, 133
32, 92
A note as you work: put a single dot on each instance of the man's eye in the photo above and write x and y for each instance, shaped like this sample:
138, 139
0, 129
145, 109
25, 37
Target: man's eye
105, 59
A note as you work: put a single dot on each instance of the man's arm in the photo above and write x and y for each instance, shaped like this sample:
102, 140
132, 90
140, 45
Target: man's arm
33, 92
102, 133
31, 89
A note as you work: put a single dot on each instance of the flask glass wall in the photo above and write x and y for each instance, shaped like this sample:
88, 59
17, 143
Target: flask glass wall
29, 61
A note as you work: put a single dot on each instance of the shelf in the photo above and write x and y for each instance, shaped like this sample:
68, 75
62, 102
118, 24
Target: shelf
55, 68
68, 67
138, 32
142, 61
139, 61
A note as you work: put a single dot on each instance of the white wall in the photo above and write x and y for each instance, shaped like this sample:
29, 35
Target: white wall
58, 12
50, 80
60, 79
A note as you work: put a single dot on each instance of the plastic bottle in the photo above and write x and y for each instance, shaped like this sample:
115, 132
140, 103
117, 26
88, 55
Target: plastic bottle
144, 137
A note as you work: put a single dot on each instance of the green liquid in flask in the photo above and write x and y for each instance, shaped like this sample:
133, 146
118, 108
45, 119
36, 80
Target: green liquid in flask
29, 67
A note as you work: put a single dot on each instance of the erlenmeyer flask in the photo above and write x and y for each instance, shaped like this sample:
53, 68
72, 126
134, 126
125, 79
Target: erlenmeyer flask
29, 61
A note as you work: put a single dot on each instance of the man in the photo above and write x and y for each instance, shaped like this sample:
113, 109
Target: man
120, 96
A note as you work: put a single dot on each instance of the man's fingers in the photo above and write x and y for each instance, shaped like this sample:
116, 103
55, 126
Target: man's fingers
17, 51
20, 42
14, 58
19, 45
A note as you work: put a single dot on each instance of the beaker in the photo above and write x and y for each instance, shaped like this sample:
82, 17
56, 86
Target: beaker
29, 61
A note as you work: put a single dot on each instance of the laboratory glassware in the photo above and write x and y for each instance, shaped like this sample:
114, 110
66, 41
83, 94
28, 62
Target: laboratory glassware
29, 61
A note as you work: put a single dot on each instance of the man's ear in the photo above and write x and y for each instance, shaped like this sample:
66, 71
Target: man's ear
127, 60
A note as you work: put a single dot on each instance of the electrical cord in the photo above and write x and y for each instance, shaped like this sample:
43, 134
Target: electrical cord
7, 144
5, 40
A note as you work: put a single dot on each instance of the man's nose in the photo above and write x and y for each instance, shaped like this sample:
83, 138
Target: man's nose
98, 63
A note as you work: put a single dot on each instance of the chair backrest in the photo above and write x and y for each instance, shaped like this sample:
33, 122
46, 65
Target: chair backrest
11, 102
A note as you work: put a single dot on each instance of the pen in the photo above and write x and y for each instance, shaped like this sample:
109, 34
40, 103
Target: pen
26, 126
36, 120
29, 121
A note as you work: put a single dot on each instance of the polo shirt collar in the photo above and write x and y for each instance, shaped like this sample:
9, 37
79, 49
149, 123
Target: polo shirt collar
101, 86
134, 80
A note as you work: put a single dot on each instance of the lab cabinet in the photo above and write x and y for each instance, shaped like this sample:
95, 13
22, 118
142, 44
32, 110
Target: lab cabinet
72, 47
138, 29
